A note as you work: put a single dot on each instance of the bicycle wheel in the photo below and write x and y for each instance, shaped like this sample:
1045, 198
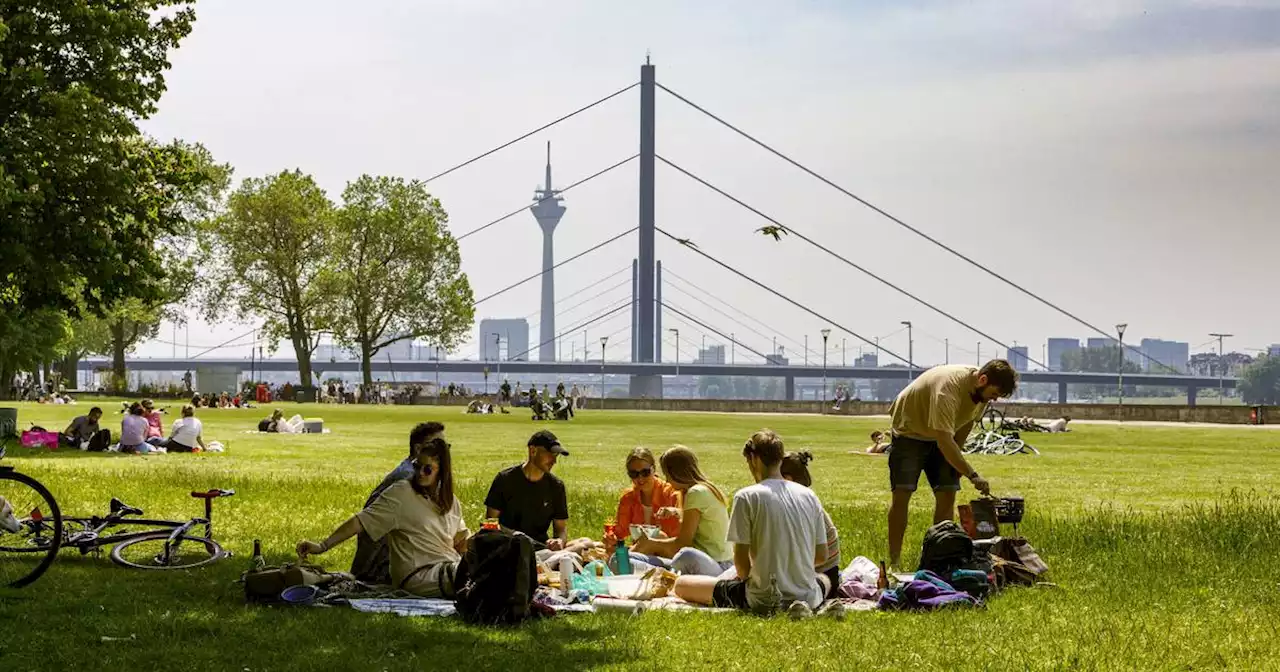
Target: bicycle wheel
1012, 446
992, 420
27, 551
148, 552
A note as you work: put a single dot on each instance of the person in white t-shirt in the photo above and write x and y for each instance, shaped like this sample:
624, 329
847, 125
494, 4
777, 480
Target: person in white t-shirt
422, 521
779, 536
186, 433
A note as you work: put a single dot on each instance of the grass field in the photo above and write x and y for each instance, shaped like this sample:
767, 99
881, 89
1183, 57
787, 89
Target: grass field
1164, 542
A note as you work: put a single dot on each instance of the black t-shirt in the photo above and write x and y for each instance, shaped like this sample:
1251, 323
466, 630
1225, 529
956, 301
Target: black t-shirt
527, 506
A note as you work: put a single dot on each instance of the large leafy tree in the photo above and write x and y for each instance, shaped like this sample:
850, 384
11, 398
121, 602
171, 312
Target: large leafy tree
78, 189
267, 258
1260, 382
396, 270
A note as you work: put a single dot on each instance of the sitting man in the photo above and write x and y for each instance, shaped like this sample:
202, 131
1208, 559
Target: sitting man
528, 498
84, 432
372, 563
779, 536
421, 521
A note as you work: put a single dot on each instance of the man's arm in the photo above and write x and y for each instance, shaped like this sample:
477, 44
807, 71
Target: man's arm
742, 560
344, 532
559, 533
963, 435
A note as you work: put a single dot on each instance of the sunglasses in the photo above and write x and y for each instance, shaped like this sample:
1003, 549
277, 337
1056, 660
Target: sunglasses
643, 473
427, 469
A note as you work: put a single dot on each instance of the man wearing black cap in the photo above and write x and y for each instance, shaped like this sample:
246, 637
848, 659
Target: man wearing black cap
528, 498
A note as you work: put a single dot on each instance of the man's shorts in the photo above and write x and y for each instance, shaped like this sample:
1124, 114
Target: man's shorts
908, 457
732, 593
431, 580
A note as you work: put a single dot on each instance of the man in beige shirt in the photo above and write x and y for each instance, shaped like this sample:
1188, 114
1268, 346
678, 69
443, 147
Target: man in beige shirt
931, 419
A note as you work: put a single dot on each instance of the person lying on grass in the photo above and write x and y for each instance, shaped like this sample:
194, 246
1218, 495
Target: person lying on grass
372, 563
647, 495
880, 444
293, 425
795, 468
700, 547
421, 520
778, 537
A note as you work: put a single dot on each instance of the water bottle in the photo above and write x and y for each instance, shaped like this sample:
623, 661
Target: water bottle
622, 558
258, 561
566, 576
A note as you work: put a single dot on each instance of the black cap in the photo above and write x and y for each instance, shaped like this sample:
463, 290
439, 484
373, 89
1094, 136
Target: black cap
545, 439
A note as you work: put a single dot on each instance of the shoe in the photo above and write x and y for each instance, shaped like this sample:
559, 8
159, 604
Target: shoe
832, 609
799, 611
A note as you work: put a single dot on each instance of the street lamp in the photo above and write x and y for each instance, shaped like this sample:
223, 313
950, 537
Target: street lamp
911, 346
603, 341
1222, 364
825, 334
733, 349
677, 333
1120, 366
979, 362
497, 354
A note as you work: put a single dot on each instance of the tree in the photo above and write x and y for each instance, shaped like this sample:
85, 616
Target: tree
1260, 382
396, 270
28, 339
78, 186
267, 256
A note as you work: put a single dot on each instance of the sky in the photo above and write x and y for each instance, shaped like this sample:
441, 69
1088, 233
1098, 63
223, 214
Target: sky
1119, 158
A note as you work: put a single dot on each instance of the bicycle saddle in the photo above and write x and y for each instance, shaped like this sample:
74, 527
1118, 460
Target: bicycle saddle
119, 507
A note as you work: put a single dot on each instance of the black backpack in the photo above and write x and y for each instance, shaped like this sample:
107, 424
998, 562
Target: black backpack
946, 549
497, 577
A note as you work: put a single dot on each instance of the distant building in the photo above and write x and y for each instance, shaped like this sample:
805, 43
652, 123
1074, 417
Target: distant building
711, 355
1096, 343
1057, 347
1174, 354
1017, 356
1274, 350
868, 361
511, 342
776, 360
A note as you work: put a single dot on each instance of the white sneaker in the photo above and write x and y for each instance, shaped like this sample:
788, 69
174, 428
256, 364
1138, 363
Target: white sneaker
799, 610
8, 522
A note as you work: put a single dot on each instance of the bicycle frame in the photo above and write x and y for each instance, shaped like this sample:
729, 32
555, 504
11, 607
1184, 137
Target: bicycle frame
91, 538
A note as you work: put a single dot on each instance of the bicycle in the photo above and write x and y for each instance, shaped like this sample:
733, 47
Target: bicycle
30, 526
167, 545
997, 443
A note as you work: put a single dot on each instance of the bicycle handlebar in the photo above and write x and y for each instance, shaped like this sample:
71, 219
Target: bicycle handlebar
213, 494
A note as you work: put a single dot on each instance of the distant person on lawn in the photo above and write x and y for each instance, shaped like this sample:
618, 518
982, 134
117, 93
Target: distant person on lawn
931, 419
421, 520
372, 563
186, 433
778, 539
528, 498
84, 429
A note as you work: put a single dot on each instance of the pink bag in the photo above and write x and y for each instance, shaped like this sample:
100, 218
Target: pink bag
35, 439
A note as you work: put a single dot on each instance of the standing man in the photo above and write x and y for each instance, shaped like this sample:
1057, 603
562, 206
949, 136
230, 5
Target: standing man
931, 420
528, 498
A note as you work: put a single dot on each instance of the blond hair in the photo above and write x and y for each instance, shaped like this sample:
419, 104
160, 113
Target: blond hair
681, 468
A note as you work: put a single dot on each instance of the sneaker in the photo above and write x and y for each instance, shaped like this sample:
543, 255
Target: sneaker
832, 609
799, 610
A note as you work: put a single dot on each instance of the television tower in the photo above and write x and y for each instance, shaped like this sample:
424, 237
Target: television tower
548, 209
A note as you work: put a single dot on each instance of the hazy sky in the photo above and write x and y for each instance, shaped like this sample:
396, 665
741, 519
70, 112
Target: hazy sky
1120, 158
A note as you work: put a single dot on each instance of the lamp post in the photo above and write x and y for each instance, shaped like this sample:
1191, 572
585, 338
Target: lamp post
677, 333
497, 354
1222, 364
979, 362
733, 349
603, 341
825, 334
911, 346
1120, 365
946, 343
844, 346
806, 349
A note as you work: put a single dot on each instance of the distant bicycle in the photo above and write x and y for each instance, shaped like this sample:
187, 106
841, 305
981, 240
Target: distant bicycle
992, 419
30, 527
997, 443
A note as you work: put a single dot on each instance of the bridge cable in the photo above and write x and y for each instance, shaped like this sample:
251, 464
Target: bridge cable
558, 265
698, 322
903, 224
781, 335
622, 305
554, 195
533, 132
837, 256
784, 297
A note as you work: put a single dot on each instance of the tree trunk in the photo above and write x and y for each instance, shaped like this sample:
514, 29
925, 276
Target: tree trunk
366, 365
67, 367
6, 381
303, 353
119, 376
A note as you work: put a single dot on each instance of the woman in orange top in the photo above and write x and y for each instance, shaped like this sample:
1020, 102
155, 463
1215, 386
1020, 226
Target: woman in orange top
647, 495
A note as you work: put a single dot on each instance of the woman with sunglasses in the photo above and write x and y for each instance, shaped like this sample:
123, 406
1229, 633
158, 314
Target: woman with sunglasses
422, 522
701, 546
648, 495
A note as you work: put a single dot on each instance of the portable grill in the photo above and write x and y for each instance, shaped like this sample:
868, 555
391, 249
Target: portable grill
1010, 510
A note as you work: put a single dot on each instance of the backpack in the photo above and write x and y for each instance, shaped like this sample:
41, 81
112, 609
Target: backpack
498, 576
264, 425
99, 441
946, 548
263, 586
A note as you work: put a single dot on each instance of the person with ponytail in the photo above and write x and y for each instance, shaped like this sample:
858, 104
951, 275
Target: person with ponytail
795, 468
421, 519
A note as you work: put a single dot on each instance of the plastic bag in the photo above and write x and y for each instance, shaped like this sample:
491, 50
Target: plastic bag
589, 581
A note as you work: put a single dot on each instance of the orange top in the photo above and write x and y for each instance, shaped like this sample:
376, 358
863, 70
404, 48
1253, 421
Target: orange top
631, 511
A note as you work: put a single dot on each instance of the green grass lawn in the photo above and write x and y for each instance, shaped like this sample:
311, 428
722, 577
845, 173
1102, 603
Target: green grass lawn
1164, 542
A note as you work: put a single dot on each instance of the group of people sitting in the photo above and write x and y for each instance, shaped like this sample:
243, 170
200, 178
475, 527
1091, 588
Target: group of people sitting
778, 548
223, 400
141, 431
